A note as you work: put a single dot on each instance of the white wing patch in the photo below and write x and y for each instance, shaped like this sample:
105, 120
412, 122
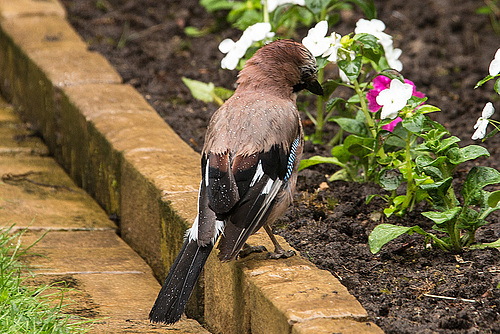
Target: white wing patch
192, 233
206, 172
219, 228
267, 187
259, 172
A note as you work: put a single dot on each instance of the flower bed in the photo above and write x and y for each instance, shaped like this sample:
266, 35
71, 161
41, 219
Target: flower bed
446, 49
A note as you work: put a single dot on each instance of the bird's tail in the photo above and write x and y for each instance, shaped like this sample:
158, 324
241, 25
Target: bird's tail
179, 284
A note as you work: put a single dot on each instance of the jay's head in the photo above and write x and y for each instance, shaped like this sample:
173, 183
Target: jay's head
283, 65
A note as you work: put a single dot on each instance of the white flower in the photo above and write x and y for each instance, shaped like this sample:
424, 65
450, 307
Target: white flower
333, 47
392, 56
483, 121
273, 4
394, 98
258, 32
495, 64
369, 26
373, 27
376, 28
343, 76
236, 50
315, 41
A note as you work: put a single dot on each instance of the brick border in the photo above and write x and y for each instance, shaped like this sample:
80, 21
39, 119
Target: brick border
117, 148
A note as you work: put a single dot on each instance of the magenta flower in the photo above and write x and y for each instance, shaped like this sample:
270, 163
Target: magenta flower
381, 83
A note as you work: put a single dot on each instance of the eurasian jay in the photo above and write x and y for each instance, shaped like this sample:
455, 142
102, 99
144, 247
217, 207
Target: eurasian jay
249, 165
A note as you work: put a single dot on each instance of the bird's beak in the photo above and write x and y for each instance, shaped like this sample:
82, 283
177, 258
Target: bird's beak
314, 87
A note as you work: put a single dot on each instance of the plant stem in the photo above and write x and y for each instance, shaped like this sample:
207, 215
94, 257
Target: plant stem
454, 233
364, 107
265, 12
318, 136
410, 187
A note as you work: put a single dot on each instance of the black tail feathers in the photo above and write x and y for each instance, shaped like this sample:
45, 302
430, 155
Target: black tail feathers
179, 284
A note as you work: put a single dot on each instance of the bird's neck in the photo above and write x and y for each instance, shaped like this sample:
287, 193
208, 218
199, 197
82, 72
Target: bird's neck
252, 79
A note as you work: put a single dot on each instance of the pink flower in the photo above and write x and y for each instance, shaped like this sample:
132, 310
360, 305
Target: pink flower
381, 83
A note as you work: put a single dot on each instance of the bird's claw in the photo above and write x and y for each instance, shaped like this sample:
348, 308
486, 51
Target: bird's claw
247, 250
280, 255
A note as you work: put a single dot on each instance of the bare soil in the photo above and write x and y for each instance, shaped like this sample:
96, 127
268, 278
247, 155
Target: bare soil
446, 47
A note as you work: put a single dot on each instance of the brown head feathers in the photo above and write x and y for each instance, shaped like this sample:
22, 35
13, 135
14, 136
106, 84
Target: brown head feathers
284, 66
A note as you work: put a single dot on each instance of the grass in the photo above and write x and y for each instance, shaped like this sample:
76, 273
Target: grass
27, 309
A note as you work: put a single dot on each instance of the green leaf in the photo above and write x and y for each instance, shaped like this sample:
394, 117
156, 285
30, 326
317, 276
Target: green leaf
437, 192
200, 90
477, 179
484, 10
354, 99
340, 175
497, 86
194, 32
427, 108
367, 6
333, 102
482, 82
319, 160
494, 199
446, 143
369, 41
351, 125
494, 244
215, 5
359, 146
316, 6
223, 93
341, 153
442, 217
467, 153
321, 63
384, 233
434, 172
351, 68
414, 124
390, 179
329, 87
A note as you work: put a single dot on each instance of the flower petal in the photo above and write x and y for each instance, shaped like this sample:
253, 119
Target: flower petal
494, 68
488, 110
392, 125
481, 129
226, 45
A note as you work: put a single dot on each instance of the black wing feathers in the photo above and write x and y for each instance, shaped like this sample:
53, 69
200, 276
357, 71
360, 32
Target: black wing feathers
183, 274
258, 178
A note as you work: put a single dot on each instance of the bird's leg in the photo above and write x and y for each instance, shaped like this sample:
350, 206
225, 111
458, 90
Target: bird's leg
279, 252
247, 250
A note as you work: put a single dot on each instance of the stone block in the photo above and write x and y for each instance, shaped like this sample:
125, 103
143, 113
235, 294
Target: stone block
109, 282
269, 296
329, 326
37, 193
11, 9
70, 67
82, 252
35, 33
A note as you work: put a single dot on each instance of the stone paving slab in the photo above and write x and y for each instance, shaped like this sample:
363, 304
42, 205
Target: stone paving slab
77, 245
114, 286
36, 192
29, 7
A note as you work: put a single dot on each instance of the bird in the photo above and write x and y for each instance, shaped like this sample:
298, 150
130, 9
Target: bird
249, 166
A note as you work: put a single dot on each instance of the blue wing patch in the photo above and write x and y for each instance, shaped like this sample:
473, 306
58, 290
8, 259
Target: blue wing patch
291, 158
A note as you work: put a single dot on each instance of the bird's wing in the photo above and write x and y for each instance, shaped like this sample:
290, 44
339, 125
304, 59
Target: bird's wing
242, 190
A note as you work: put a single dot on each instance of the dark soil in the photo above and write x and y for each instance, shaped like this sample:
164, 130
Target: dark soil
446, 50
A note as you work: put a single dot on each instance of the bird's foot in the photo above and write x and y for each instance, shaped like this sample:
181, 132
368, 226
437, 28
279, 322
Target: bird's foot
247, 250
281, 254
